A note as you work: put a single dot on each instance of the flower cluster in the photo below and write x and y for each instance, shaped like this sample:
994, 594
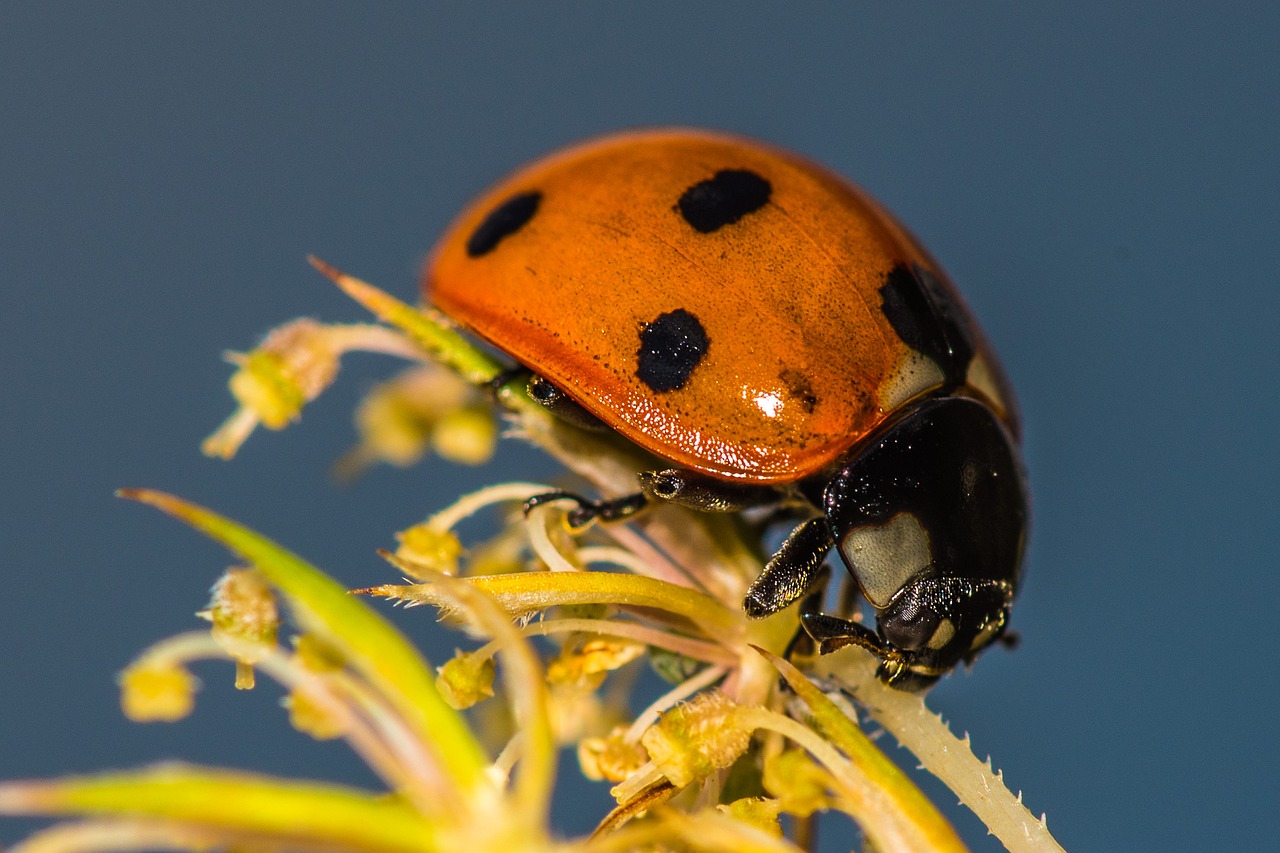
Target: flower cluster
742, 751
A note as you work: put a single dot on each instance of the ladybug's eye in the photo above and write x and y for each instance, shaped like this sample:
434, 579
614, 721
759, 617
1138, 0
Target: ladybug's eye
912, 623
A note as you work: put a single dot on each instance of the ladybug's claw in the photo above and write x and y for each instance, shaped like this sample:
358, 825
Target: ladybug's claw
588, 511
902, 668
578, 517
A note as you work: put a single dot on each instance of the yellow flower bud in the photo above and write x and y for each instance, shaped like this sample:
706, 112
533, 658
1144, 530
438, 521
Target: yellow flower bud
393, 425
263, 386
423, 405
466, 435
288, 369
696, 739
427, 545
758, 812
610, 758
245, 620
800, 785
152, 691
465, 680
311, 717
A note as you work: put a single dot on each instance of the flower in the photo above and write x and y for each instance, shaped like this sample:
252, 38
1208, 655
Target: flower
562, 622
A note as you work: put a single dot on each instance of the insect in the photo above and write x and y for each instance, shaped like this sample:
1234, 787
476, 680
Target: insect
773, 335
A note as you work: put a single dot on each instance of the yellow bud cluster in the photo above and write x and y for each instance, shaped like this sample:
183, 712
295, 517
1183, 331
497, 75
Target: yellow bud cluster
425, 407
588, 664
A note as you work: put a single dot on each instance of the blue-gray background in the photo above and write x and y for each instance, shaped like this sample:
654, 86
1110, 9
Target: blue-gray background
1100, 178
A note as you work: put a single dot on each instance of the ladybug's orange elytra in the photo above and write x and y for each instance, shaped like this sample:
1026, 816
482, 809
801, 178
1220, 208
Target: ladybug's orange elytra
716, 301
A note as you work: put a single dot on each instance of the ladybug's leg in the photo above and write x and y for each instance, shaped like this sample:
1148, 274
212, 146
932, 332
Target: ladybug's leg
673, 485
698, 491
802, 645
832, 633
560, 404
903, 669
587, 511
791, 571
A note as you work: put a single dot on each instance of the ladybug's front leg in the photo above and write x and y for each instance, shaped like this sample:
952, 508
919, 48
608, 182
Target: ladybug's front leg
918, 627
791, 571
588, 511
898, 667
673, 485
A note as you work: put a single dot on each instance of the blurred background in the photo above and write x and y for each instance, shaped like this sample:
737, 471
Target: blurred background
1100, 179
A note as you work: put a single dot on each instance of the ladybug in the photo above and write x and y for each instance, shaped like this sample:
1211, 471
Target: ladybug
777, 338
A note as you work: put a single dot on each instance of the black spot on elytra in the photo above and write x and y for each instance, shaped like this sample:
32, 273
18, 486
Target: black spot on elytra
670, 348
503, 221
800, 389
928, 320
724, 199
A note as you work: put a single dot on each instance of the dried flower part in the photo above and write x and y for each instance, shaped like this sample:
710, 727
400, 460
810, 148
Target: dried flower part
799, 784
587, 664
696, 739
466, 679
311, 717
157, 691
244, 615
429, 546
612, 758
758, 812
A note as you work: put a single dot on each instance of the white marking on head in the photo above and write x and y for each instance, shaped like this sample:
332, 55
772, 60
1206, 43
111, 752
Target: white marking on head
884, 558
942, 634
